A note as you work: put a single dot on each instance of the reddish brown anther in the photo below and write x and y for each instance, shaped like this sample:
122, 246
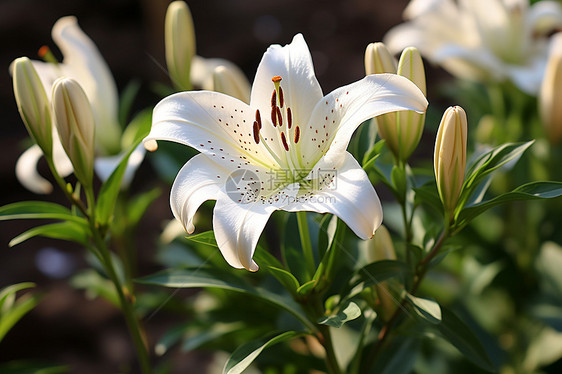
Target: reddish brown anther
281, 98
258, 118
284, 140
289, 118
274, 116
297, 134
256, 132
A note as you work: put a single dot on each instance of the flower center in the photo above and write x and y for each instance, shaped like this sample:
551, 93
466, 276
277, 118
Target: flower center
287, 135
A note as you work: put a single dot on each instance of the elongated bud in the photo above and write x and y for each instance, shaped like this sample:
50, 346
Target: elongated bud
382, 248
33, 103
74, 120
378, 59
550, 98
410, 123
229, 81
179, 44
450, 156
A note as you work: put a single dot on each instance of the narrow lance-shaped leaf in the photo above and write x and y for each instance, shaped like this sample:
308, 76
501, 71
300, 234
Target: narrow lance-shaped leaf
247, 353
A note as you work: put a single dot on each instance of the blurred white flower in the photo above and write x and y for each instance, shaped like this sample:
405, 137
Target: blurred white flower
83, 63
481, 39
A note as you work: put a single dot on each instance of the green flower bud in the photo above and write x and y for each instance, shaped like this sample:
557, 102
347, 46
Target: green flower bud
378, 59
450, 156
179, 44
33, 103
550, 98
401, 130
74, 120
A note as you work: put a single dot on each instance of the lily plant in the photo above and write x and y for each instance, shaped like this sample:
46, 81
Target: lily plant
83, 63
285, 150
482, 40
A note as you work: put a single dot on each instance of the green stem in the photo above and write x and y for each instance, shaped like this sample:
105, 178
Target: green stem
421, 271
305, 243
126, 306
331, 359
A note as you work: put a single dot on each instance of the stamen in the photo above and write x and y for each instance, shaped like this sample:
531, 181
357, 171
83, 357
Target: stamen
284, 140
289, 118
279, 117
274, 116
297, 134
256, 132
258, 118
273, 99
45, 53
281, 99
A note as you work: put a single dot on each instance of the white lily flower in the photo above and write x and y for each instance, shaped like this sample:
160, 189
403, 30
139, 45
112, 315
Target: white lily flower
285, 150
83, 63
481, 39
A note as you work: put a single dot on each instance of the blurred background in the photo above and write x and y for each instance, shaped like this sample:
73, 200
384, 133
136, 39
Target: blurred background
89, 335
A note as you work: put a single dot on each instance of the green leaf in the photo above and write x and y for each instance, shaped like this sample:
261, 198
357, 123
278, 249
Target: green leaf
27, 367
95, 285
348, 313
138, 129
242, 357
126, 100
529, 191
209, 277
217, 330
305, 288
371, 156
427, 309
37, 210
287, 279
140, 204
461, 336
9, 293
489, 162
379, 271
70, 231
12, 309
110, 190
398, 179
207, 237
427, 194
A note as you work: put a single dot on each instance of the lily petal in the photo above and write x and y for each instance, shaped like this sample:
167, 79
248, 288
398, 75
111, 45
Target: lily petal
215, 124
237, 229
27, 174
199, 180
293, 63
350, 196
338, 114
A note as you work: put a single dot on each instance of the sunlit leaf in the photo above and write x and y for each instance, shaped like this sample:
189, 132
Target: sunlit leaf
347, 313
247, 353
427, 309
70, 231
461, 336
37, 210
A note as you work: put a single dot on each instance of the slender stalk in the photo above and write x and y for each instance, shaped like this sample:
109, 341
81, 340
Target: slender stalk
421, 271
331, 359
305, 243
126, 306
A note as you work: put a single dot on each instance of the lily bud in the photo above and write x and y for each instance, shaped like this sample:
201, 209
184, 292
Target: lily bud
401, 130
378, 59
33, 103
382, 248
74, 120
410, 123
450, 156
229, 82
179, 44
550, 98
